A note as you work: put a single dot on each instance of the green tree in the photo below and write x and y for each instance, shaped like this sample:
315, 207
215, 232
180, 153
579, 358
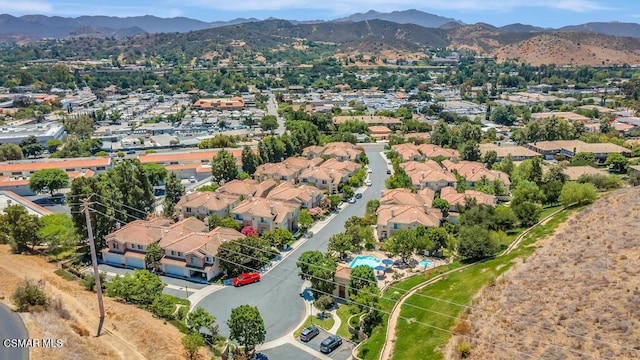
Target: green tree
192, 344
490, 158
475, 243
31, 147
340, 243
305, 220
247, 327
129, 184
223, 167
142, 287
214, 221
10, 152
583, 158
53, 145
156, 173
438, 237
81, 126
506, 165
403, 244
200, 319
501, 115
21, 228
278, 238
527, 212
323, 303
250, 161
470, 151
58, 232
319, 269
269, 123
441, 204
361, 276
617, 161
527, 191
174, 189
576, 193
219, 141
153, 256
50, 180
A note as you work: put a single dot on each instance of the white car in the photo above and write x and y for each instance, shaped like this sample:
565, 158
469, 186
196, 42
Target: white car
369, 170
368, 183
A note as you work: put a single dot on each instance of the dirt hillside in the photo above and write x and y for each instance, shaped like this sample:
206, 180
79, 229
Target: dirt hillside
577, 297
128, 332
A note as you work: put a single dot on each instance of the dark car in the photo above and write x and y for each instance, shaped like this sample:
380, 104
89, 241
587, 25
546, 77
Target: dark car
246, 278
358, 195
388, 171
331, 343
309, 333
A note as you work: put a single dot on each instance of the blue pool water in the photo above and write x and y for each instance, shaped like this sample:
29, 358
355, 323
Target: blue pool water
370, 261
426, 263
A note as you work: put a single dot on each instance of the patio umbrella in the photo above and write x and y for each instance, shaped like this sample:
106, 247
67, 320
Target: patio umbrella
380, 268
388, 262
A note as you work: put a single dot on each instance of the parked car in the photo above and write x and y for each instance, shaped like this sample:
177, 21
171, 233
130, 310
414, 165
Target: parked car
388, 171
309, 333
368, 183
192, 179
358, 195
245, 279
331, 343
369, 170
352, 200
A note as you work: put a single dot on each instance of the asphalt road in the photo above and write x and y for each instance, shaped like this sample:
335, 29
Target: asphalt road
277, 294
272, 109
12, 327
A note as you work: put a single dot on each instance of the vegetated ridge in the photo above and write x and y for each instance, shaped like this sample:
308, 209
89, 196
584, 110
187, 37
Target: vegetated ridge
573, 298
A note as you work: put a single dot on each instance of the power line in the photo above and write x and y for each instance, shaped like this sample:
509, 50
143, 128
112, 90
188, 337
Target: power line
404, 304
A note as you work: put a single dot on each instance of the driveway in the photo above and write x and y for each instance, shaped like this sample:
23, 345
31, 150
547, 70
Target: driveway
12, 327
177, 287
277, 294
342, 352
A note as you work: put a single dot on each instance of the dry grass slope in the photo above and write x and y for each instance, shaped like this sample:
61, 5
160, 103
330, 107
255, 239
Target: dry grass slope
584, 280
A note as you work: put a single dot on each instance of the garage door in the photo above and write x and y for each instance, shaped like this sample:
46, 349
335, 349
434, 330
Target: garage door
135, 262
174, 270
112, 258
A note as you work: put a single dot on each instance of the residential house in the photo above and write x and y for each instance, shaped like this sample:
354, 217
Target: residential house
248, 188
518, 153
431, 151
574, 172
267, 214
342, 279
393, 218
569, 148
428, 175
408, 152
127, 245
329, 174
196, 254
457, 200
341, 151
407, 197
234, 103
474, 172
634, 170
203, 204
186, 164
380, 132
287, 170
307, 196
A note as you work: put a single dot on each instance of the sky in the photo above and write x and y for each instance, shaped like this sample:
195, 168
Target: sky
545, 13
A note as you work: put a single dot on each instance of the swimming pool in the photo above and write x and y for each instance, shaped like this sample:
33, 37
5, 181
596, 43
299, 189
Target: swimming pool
425, 263
370, 261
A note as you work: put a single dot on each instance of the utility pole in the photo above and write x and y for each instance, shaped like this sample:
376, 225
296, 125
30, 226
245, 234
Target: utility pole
94, 262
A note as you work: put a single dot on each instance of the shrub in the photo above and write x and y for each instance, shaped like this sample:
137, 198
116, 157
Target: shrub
464, 349
602, 182
64, 274
58, 307
89, 282
28, 295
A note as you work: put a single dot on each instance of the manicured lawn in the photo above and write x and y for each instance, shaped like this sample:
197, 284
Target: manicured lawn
325, 323
344, 314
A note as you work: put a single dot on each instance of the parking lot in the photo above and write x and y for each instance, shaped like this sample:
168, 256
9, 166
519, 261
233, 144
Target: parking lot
342, 352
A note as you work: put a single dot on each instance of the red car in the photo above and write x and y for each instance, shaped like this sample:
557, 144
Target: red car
245, 279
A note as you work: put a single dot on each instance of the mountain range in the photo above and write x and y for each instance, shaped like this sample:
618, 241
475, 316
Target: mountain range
40, 26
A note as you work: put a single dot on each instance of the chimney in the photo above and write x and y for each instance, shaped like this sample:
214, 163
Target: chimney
217, 192
180, 217
272, 209
117, 225
425, 207
393, 212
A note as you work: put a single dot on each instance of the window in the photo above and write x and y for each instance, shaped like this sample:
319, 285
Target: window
16, 173
194, 260
173, 253
69, 170
188, 209
209, 259
179, 253
115, 245
101, 168
396, 226
139, 247
173, 163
